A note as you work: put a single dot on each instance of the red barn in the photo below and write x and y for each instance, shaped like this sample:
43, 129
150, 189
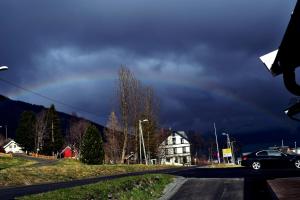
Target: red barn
67, 152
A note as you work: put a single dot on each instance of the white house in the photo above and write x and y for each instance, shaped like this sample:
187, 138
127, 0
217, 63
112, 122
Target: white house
175, 149
12, 147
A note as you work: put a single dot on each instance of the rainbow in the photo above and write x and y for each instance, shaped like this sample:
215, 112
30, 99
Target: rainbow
111, 76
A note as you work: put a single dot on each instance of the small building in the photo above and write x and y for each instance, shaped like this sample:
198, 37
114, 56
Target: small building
175, 149
67, 152
12, 147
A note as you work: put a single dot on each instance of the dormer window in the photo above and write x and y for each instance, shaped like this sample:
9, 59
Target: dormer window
174, 140
182, 141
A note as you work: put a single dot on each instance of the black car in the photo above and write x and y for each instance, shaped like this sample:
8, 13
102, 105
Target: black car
270, 158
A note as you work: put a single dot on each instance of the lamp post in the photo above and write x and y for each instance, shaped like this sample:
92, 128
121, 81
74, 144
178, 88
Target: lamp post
229, 146
142, 142
3, 68
228, 140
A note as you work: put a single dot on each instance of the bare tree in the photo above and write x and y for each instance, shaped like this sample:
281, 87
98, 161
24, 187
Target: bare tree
112, 135
150, 129
40, 129
125, 77
2, 140
136, 109
136, 103
76, 132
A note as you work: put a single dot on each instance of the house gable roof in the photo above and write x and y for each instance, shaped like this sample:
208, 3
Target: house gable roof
10, 142
180, 133
67, 147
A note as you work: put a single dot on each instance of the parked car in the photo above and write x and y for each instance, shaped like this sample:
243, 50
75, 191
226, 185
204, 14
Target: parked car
270, 158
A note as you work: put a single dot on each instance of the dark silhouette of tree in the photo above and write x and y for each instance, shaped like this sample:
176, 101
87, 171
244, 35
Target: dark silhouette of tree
40, 129
25, 133
53, 139
92, 151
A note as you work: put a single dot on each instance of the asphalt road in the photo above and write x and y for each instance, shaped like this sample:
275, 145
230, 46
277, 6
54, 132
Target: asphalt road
211, 188
229, 183
202, 181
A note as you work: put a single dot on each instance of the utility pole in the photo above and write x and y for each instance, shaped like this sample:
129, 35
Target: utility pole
232, 151
52, 133
6, 132
218, 154
142, 142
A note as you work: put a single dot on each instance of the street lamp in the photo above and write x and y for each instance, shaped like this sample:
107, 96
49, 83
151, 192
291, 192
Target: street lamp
229, 146
141, 140
2, 68
228, 140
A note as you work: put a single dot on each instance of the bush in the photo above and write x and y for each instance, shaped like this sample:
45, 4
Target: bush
92, 147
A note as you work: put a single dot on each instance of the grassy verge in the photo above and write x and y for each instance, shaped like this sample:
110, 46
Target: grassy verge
64, 170
223, 165
136, 187
8, 162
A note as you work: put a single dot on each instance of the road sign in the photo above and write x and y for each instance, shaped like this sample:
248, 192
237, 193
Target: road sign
226, 153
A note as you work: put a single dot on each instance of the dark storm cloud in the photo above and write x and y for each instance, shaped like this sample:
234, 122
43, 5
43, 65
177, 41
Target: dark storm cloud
183, 49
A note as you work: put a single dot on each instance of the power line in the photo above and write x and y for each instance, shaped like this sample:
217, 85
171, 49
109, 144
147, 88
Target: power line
49, 98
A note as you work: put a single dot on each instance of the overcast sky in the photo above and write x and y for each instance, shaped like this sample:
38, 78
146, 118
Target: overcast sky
201, 57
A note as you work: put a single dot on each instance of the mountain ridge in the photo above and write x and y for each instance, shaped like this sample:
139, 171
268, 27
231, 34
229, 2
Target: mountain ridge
11, 110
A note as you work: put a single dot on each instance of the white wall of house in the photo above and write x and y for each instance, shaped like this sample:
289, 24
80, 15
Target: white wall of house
175, 150
12, 147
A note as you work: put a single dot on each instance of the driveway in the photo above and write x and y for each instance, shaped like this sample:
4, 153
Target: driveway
40, 161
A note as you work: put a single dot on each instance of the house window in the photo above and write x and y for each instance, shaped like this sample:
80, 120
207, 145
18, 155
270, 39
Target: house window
182, 141
14, 146
175, 150
166, 151
166, 142
176, 159
174, 140
183, 149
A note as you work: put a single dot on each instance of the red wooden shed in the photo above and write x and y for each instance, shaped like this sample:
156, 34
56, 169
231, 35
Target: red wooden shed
67, 152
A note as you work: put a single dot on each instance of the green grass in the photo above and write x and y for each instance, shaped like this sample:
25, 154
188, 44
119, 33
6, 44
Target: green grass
8, 162
64, 170
143, 187
223, 165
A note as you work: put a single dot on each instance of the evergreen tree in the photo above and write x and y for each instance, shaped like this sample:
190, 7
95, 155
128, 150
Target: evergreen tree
92, 147
53, 139
25, 133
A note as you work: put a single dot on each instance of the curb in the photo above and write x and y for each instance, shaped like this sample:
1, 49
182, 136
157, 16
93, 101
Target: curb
173, 187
